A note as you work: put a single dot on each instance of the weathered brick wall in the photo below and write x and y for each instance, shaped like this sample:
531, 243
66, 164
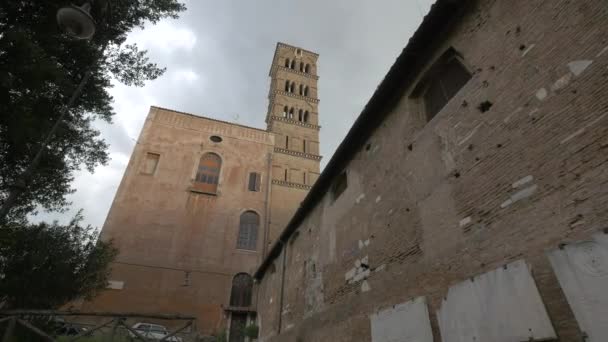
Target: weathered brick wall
431, 204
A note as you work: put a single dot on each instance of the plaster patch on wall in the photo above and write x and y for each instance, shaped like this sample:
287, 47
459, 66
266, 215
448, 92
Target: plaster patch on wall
523, 54
502, 305
115, 284
359, 198
522, 181
541, 94
289, 326
469, 135
521, 194
577, 67
378, 199
366, 242
581, 130
380, 268
405, 322
465, 221
270, 301
582, 272
365, 286
506, 120
350, 274
562, 82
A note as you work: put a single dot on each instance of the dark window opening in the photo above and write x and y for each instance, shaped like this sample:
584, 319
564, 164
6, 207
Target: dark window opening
307, 68
242, 286
151, 163
286, 142
339, 185
306, 116
286, 175
208, 173
287, 62
285, 109
215, 139
301, 66
306, 91
443, 81
300, 115
254, 181
248, 231
287, 86
293, 64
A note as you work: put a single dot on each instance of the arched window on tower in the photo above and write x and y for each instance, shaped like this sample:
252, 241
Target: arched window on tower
306, 91
301, 89
306, 116
287, 62
292, 88
242, 286
300, 115
291, 113
208, 173
307, 68
285, 109
248, 231
287, 85
293, 64
301, 66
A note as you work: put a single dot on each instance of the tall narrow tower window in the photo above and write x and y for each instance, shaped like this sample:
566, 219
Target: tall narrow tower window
301, 66
293, 64
292, 88
254, 181
287, 85
208, 173
300, 115
301, 89
248, 231
303, 145
286, 142
306, 91
291, 113
306, 116
287, 62
285, 109
307, 68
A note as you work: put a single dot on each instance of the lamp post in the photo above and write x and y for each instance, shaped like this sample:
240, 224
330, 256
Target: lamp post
78, 23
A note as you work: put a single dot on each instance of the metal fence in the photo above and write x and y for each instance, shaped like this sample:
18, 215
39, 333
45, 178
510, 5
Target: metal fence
68, 326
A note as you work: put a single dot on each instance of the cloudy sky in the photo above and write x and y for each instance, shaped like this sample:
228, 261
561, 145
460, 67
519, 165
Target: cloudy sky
218, 54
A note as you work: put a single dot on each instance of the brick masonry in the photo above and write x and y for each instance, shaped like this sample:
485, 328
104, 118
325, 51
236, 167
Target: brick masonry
430, 204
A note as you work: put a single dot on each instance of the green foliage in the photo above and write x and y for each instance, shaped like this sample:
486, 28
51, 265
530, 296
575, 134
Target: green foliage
40, 67
44, 266
252, 331
221, 337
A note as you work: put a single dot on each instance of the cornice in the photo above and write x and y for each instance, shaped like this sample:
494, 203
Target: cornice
297, 72
297, 154
291, 185
294, 122
305, 98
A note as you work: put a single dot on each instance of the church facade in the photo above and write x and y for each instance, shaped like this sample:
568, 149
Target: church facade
201, 201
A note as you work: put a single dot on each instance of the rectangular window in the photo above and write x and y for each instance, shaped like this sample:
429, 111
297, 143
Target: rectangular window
150, 163
445, 78
304, 177
254, 181
339, 185
304, 146
286, 175
286, 142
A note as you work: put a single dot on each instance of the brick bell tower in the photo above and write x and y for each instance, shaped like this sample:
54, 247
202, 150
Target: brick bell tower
293, 116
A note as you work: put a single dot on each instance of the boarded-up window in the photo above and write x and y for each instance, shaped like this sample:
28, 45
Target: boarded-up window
500, 306
208, 173
254, 181
248, 231
150, 163
242, 285
403, 322
582, 271
339, 185
443, 81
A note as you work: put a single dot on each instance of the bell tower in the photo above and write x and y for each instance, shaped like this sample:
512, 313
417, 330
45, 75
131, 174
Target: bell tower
293, 117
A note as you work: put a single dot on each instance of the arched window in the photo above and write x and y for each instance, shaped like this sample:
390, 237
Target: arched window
242, 286
306, 116
287, 85
291, 113
300, 115
287, 62
293, 64
306, 91
292, 88
307, 68
285, 109
248, 231
208, 173
301, 66
301, 89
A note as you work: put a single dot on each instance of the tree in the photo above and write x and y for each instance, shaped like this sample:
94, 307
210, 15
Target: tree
40, 67
43, 266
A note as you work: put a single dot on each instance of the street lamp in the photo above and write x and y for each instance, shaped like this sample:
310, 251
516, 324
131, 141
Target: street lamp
77, 21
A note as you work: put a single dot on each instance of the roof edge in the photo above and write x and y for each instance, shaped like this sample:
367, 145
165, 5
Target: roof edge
211, 119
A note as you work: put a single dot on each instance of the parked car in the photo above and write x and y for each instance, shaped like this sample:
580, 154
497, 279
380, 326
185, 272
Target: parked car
154, 332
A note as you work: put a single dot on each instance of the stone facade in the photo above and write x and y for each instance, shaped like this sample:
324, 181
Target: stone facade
513, 167
179, 239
